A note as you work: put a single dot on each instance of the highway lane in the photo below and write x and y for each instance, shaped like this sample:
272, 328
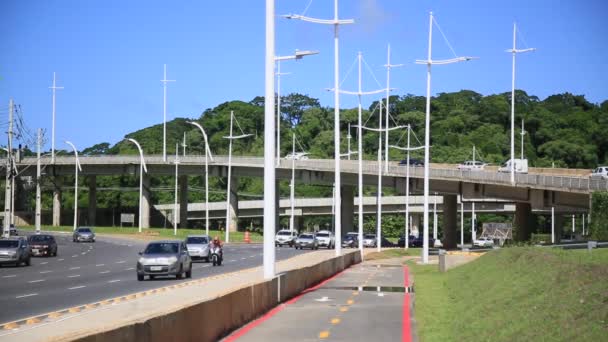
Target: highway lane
88, 272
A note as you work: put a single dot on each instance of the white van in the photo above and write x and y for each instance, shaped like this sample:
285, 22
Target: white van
521, 166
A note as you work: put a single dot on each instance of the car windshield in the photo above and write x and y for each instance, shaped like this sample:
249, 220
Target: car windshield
284, 232
323, 234
200, 240
9, 244
41, 238
84, 230
350, 237
306, 236
162, 248
370, 236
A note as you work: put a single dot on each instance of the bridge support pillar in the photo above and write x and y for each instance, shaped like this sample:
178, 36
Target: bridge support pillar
559, 227
234, 205
524, 221
347, 207
183, 201
146, 202
92, 199
57, 202
449, 221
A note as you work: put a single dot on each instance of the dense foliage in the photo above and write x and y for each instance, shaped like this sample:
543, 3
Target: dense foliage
599, 216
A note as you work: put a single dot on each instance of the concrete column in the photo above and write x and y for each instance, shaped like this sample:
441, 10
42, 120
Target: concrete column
234, 205
92, 199
559, 227
183, 201
347, 206
57, 201
449, 221
146, 202
297, 223
415, 225
524, 222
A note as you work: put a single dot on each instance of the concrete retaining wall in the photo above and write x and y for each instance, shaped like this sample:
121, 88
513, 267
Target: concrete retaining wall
213, 319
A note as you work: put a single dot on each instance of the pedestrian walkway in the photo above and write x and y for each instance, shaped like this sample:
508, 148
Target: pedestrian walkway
371, 301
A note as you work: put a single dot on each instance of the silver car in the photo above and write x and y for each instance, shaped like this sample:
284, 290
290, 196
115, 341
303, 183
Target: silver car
15, 251
370, 240
307, 240
164, 258
198, 247
83, 234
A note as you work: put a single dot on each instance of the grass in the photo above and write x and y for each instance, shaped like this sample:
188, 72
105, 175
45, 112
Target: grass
393, 253
515, 294
155, 233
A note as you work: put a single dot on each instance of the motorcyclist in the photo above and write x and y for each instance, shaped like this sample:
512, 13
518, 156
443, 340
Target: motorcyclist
217, 243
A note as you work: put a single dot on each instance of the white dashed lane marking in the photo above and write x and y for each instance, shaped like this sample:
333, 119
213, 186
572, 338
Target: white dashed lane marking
104, 272
76, 287
44, 272
99, 265
75, 268
35, 281
114, 281
60, 259
9, 276
120, 262
74, 276
44, 263
75, 255
130, 269
27, 295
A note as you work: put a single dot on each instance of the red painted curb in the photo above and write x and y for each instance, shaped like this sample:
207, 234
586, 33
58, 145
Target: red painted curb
245, 329
406, 335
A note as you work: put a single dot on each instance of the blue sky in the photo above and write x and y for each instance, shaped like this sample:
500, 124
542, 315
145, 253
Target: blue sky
109, 54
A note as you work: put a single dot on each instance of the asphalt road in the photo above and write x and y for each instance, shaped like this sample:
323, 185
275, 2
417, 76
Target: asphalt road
89, 272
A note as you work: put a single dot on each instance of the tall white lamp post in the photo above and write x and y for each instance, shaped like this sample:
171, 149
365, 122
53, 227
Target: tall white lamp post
164, 81
54, 88
427, 134
388, 66
142, 169
228, 190
514, 51
175, 210
76, 169
337, 197
207, 155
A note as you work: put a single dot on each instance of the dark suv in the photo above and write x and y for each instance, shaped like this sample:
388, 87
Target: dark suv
15, 251
413, 162
413, 241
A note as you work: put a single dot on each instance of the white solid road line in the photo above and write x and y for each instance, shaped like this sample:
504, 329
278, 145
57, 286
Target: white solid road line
76, 287
44, 272
75, 268
60, 259
99, 265
10, 276
83, 253
36, 281
104, 272
44, 263
27, 295
130, 269
120, 262
74, 276
114, 281
75, 255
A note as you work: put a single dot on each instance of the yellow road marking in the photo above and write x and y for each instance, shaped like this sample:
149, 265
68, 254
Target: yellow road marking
356, 293
324, 334
10, 326
344, 309
33, 320
350, 302
335, 320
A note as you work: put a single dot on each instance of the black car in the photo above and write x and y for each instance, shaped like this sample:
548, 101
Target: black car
413, 162
12, 230
43, 245
413, 241
350, 241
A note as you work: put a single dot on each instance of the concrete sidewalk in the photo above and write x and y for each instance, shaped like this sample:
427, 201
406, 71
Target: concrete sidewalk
371, 301
141, 307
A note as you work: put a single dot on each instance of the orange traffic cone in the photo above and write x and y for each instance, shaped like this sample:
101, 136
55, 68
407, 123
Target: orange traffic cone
247, 240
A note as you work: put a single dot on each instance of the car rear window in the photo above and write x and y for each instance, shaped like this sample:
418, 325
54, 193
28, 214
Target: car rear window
370, 236
40, 238
84, 230
162, 248
323, 235
9, 244
197, 240
285, 232
306, 236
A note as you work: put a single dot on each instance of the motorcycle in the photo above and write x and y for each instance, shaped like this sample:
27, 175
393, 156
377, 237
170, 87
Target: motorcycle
216, 255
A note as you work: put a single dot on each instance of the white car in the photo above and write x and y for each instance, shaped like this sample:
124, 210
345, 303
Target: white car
297, 156
285, 237
370, 240
483, 242
325, 238
472, 165
600, 173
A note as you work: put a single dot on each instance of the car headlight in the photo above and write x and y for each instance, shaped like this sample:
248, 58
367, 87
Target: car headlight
172, 260
142, 261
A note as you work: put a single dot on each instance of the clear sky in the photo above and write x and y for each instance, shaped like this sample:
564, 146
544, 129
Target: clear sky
109, 54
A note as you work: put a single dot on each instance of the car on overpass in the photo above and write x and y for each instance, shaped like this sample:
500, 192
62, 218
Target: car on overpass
297, 156
472, 165
413, 162
43, 245
520, 166
600, 172
164, 258
15, 251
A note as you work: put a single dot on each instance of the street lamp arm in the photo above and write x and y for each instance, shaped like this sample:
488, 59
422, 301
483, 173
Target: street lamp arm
76, 154
319, 21
208, 151
141, 153
348, 92
445, 61
233, 137
520, 50
407, 149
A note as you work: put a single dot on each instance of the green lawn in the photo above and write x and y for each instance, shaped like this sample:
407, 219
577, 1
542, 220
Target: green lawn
160, 233
515, 294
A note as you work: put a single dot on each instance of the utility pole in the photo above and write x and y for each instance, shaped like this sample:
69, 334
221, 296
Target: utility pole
175, 210
292, 186
388, 90
54, 87
9, 169
37, 219
165, 80
379, 194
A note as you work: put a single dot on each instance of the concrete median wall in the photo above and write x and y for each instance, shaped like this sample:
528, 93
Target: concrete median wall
214, 319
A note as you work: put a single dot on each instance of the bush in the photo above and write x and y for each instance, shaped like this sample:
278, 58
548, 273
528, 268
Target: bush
599, 216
